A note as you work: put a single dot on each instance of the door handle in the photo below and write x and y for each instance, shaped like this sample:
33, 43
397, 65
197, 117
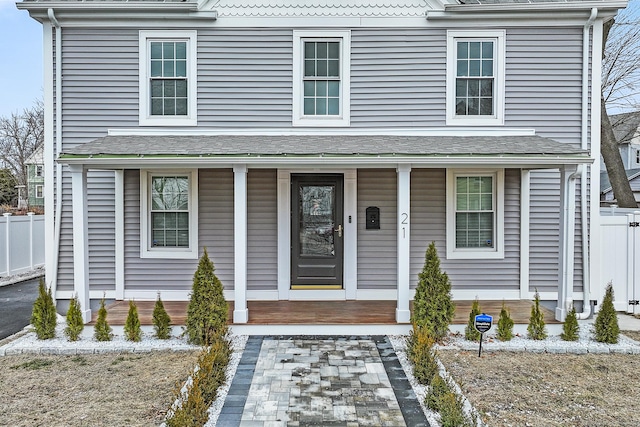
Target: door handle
339, 230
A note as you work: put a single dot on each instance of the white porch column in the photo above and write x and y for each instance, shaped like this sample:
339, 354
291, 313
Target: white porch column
240, 312
403, 314
80, 239
566, 240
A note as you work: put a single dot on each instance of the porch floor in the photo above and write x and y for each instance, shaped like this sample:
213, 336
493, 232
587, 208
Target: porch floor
320, 312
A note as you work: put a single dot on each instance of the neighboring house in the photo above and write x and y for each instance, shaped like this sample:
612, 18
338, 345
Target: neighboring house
35, 177
626, 128
606, 191
317, 148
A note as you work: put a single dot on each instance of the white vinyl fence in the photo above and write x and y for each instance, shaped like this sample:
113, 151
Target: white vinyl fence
620, 256
21, 243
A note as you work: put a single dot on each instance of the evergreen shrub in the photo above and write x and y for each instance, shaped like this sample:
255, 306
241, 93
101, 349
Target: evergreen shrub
161, 320
43, 316
75, 324
132, 330
505, 324
536, 328
433, 306
606, 326
439, 388
451, 409
422, 355
193, 410
570, 328
102, 330
212, 367
470, 331
208, 310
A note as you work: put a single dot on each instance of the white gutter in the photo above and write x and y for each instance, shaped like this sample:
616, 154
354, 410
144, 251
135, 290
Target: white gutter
582, 170
58, 141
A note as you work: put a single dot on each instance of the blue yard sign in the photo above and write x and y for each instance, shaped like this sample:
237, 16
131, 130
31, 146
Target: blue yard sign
482, 323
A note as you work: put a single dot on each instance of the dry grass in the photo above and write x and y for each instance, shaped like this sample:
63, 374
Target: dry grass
527, 389
90, 390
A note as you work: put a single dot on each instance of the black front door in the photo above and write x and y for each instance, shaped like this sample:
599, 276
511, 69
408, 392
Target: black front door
316, 230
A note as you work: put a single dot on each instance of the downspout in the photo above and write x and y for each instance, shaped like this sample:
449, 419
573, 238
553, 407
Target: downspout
58, 141
586, 277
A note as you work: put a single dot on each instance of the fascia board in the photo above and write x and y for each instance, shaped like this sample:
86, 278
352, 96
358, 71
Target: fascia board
549, 13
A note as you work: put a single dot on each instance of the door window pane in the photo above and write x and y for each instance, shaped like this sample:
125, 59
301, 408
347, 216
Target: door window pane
317, 220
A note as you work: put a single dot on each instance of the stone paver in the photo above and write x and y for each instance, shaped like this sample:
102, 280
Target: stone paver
320, 381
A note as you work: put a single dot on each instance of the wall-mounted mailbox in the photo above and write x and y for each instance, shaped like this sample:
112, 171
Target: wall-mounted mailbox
373, 218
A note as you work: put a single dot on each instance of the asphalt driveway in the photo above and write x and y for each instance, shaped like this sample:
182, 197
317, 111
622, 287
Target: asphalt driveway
16, 304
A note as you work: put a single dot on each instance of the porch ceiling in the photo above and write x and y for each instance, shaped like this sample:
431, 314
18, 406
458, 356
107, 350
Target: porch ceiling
138, 150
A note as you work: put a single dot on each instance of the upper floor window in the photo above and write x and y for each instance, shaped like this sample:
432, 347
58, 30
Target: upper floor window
39, 191
39, 170
475, 212
475, 77
321, 76
168, 78
169, 215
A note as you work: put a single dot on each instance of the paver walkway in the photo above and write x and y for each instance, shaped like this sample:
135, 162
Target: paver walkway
320, 381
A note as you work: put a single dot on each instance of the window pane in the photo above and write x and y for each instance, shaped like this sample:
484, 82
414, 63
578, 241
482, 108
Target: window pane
487, 50
321, 88
334, 68
156, 68
486, 106
461, 87
334, 50
181, 68
462, 68
156, 107
474, 88
321, 68
463, 50
309, 68
334, 88
334, 106
321, 50
309, 89
156, 88
169, 107
167, 68
486, 87
169, 88
321, 106
473, 107
462, 202
474, 68
474, 50
461, 106
156, 50
181, 50
309, 50
181, 107
309, 106
487, 68
167, 50
474, 202
181, 88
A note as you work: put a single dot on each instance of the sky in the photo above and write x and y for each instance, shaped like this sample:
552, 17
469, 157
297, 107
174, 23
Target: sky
21, 75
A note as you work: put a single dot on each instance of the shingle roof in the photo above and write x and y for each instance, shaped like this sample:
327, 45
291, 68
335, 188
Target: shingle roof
625, 126
305, 145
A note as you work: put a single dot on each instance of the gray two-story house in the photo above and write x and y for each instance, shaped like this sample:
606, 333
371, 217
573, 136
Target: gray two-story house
317, 148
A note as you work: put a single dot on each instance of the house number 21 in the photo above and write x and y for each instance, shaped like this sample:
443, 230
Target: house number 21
405, 220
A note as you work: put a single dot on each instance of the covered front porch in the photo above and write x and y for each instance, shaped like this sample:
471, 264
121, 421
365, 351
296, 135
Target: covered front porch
323, 317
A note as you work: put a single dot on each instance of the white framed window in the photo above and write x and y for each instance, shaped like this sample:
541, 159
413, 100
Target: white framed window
167, 79
39, 191
475, 214
169, 214
475, 77
321, 78
39, 170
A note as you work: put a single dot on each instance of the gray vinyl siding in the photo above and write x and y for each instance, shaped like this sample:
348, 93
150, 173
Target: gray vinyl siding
262, 243
377, 249
215, 230
428, 223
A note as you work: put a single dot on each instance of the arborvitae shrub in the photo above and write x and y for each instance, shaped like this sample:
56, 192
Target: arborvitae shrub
433, 306
470, 331
75, 325
451, 409
102, 330
505, 324
161, 320
422, 355
570, 328
212, 367
208, 310
132, 330
606, 325
193, 410
439, 388
536, 328
43, 316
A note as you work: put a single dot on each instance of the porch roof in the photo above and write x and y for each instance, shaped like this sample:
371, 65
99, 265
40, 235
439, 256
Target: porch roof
521, 151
